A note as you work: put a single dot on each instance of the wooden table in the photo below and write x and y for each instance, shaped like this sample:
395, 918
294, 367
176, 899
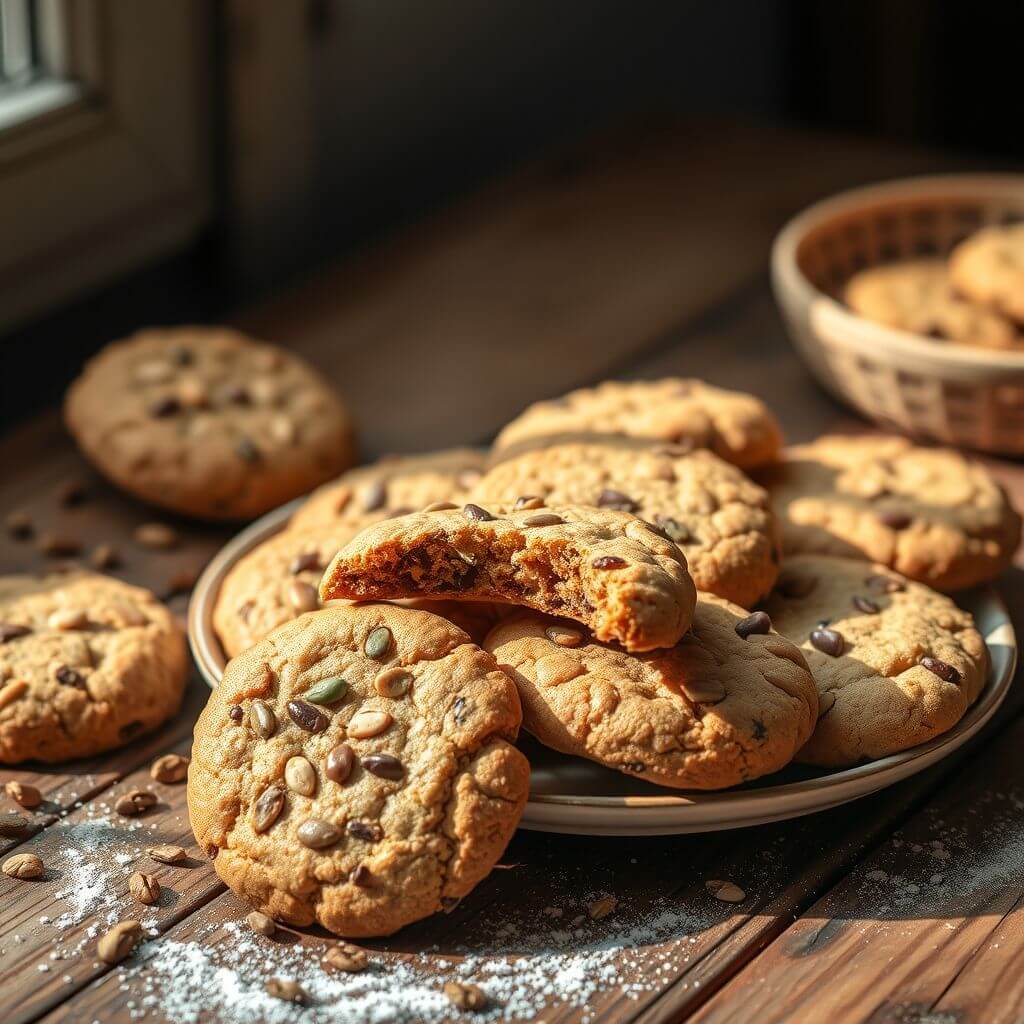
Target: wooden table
639, 254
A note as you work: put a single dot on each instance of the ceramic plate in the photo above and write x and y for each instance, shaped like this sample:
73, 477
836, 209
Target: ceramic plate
576, 796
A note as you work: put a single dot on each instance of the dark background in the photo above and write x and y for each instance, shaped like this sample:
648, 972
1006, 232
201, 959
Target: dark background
425, 101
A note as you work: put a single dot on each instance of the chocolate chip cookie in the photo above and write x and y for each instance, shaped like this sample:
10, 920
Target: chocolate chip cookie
988, 268
356, 769
730, 702
393, 486
918, 296
87, 663
896, 664
208, 423
720, 519
602, 567
736, 427
929, 513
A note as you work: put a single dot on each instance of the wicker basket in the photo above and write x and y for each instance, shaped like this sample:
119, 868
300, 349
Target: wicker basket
957, 394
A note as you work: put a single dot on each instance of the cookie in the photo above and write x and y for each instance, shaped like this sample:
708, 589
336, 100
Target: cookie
736, 427
929, 513
896, 664
355, 769
604, 568
717, 709
87, 663
208, 423
918, 296
393, 486
988, 268
720, 519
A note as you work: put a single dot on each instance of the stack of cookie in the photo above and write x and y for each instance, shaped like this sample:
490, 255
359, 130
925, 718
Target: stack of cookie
974, 298
610, 575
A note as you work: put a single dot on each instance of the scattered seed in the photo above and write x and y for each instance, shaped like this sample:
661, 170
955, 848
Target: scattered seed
264, 720
170, 768
158, 536
465, 996
22, 866
68, 619
11, 631
19, 525
340, 762
308, 561
364, 830
24, 794
165, 853
755, 623
608, 562
601, 908
941, 668
13, 825
481, 515
393, 683
287, 989
384, 766
118, 943
528, 501
894, 520
302, 596
135, 802
828, 641
609, 498
54, 545
377, 642
366, 724
564, 636
145, 888
362, 876
543, 519
865, 605
345, 957
105, 556
317, 833
727, 892
327, 691
300, 776
261, 924
268, 808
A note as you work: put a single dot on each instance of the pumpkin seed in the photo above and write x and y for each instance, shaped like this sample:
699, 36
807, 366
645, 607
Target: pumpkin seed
368, 723
300, 776
378, 642
317, 833
393, 682
327, 691
267, 808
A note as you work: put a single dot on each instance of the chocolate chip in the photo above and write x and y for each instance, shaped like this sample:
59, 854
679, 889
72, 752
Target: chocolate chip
71, 493
235, 713
865, 605
237, 394
67, 676
364, 830
362, 876
673, 529
481, 515
885, 584
941, 668
610, 498
894, 520
795, 585
180, 356
340, 762
54, 545
19, 525
165, 406
377, 643
247, 450
308, 561
307, 717
384, 766
828, 641
608, 562
130, 729
11, 631
375, 496
756, 622
528, 501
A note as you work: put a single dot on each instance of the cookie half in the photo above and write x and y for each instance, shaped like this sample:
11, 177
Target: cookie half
737, 427
207, 422
355, 769
929, 513
87, 663
715, 710
720, 519
604, 568
988, 268
896, 664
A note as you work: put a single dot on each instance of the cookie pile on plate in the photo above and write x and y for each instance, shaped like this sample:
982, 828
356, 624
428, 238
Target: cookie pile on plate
976, 297
637, 573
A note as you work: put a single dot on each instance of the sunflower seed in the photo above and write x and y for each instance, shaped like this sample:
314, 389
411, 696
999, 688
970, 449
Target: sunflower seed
300, 776
263, 719
366, 724
268, 808
317, 833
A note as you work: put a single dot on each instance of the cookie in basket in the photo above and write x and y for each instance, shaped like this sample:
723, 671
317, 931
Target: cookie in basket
988, 268
730, 702
355, 769
606, 568
737, 427
918, 296
720, 519
929, 513
896, 664
207, 422
87, 663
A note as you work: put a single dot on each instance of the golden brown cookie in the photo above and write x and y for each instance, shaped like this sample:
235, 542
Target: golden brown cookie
604, 568
988, 268
720, 519
918, 296
207, 422
393, 486
929, 513
87, 663
355, 769
737, 427
896, 664
717, 709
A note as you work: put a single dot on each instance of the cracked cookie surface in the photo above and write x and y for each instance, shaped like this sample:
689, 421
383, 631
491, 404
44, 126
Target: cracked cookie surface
988, 267
605, 568
720, 519
87, 663
207, 422
366, 804
902, 667
713, 711
737, 427
929, 513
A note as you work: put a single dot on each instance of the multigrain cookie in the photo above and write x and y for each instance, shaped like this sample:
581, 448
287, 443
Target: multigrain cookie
988, 268
896, 664
720, 519
722, 706
87, 663
393, 486
929, 513
207, 422
355, 769
736, 427
604, 568
918, 296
